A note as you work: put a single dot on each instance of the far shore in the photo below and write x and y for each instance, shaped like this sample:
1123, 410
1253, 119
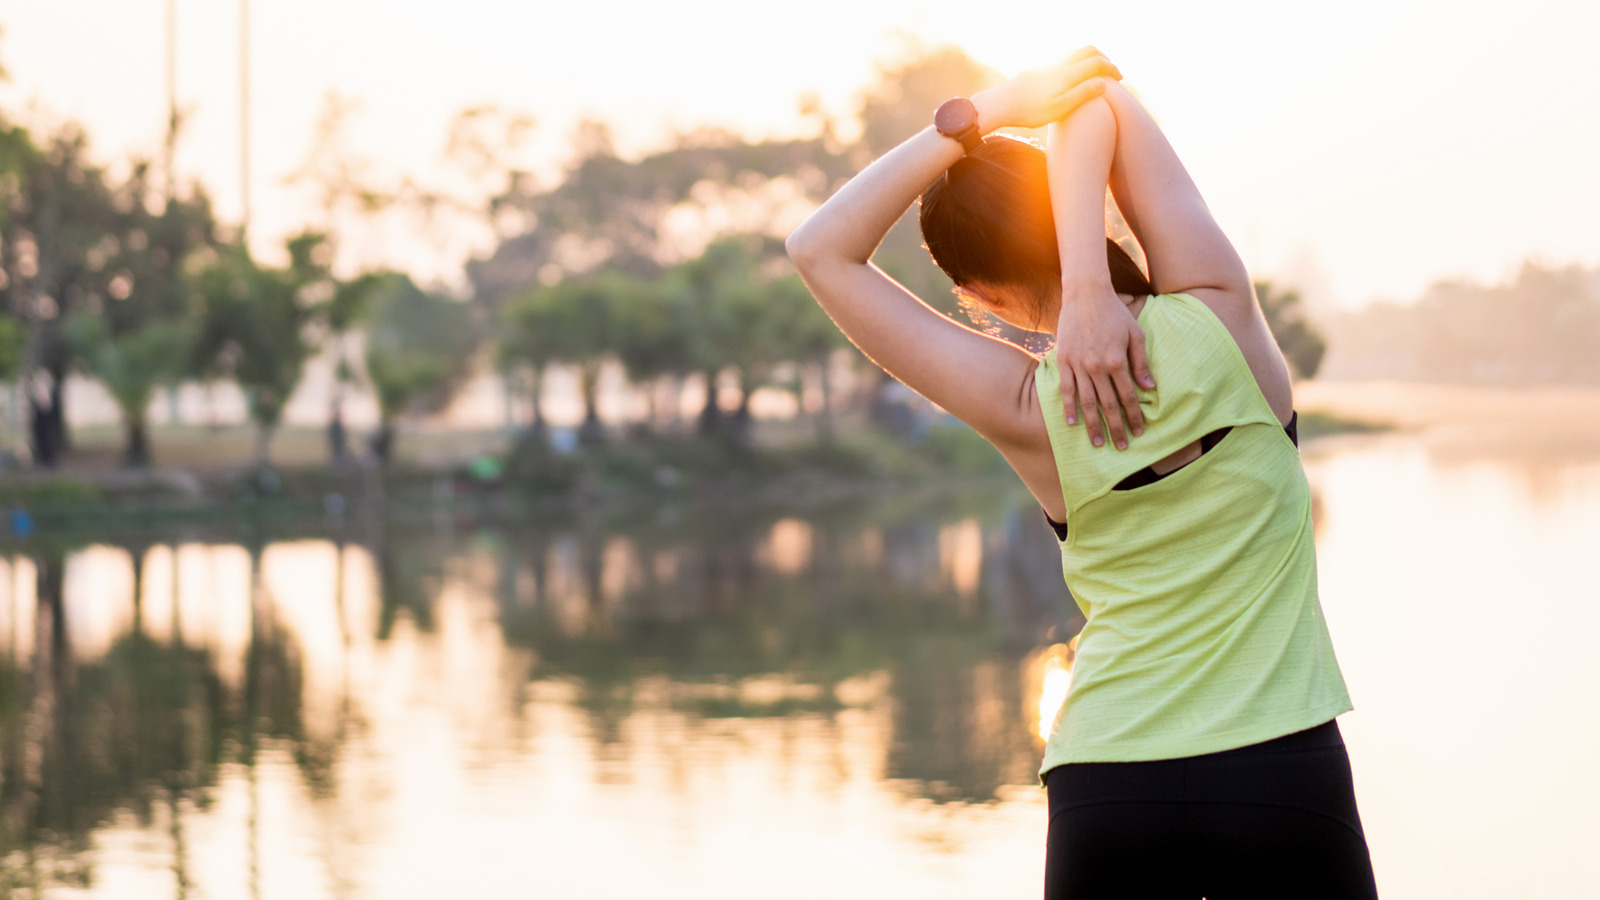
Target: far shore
1547, 423
206, 472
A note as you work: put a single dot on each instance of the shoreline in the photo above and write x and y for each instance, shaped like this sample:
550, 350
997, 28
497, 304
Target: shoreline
442, 474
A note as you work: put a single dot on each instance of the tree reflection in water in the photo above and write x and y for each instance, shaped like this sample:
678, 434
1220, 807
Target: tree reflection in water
142, 729
922, 613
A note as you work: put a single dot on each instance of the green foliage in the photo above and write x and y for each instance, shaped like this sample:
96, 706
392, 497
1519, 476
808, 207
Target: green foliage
13, 340
310, 257
351, 301
749, 310
55, 492
133, 364
133, 286
253, 331
956, 446
723, 297
1299, 340
418, 346
576, 321
75, 242
655, 329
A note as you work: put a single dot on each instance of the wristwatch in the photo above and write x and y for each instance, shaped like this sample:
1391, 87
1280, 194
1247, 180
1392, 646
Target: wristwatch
958, 119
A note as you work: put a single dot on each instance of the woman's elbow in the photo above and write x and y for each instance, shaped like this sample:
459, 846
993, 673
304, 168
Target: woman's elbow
801, 246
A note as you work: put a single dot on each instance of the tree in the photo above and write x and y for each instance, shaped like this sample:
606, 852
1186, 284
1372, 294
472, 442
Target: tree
574, 321
137, 338
419, 345
1299, 340
349, 197
528, 339
348, 304
729, 292
254, 331
53, 254
809, 337
655, 337
611, 213
73, 242
131, 366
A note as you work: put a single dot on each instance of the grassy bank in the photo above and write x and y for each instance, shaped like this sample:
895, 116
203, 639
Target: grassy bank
206, 474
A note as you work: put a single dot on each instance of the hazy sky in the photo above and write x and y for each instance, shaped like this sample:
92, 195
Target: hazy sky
1362, 148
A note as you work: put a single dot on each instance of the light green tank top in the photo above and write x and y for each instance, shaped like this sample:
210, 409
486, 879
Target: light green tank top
1203, 629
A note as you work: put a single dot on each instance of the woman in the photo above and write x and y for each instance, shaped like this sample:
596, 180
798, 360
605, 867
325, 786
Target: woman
1196, 753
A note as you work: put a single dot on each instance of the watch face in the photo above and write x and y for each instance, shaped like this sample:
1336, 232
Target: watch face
955, 116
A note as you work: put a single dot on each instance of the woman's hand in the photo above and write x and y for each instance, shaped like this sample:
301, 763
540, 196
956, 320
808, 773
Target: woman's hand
1037, 98
1099, 346
1099, 351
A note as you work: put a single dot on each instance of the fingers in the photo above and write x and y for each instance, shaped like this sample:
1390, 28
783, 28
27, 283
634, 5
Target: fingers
1139, 361
1111, 410
1081, 67
1087, 51
1129, 395
1077, 97
1088, 400
1069, 394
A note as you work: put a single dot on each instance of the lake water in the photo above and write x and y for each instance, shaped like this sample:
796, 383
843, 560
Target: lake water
843, 702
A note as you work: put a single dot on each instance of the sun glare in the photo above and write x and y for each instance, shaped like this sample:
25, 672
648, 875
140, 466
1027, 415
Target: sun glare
1056, 677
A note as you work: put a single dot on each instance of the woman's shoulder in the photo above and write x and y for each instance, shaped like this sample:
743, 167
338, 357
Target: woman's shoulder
1211, 320
1183, 310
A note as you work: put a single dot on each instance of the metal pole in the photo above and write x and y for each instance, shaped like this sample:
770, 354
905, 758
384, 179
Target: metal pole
244, 117
169, 169
172, 96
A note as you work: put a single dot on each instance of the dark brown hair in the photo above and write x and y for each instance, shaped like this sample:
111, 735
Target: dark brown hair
988, 220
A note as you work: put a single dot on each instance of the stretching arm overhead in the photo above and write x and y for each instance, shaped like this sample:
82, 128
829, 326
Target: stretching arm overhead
1183, 244
983, 381
1099, 345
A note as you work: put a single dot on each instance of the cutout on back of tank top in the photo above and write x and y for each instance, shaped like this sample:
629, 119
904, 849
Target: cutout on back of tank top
1291, 429
1148, 475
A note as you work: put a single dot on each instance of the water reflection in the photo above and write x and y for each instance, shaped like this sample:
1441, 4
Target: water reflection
729, 704
249, 689
105, 723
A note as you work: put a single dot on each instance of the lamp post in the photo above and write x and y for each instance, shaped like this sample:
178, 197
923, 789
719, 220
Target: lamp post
172, 98
244, 119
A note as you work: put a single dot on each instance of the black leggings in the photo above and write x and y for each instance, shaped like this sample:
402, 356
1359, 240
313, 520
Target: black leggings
1272, 820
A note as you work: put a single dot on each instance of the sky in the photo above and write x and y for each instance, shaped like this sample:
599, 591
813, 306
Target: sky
1358, 150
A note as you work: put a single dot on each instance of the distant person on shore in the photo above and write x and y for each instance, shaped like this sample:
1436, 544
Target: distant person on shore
1196, 754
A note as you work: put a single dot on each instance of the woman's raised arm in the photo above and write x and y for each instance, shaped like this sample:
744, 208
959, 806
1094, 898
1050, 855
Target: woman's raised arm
978, 379
1183, 244
1099, 346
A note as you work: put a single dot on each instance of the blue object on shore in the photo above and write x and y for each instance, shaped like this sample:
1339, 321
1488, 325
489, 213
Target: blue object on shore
21, 522
564, 441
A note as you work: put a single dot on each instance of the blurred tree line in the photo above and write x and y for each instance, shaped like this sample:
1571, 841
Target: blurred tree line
131, 280
669, 268
1541, 328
